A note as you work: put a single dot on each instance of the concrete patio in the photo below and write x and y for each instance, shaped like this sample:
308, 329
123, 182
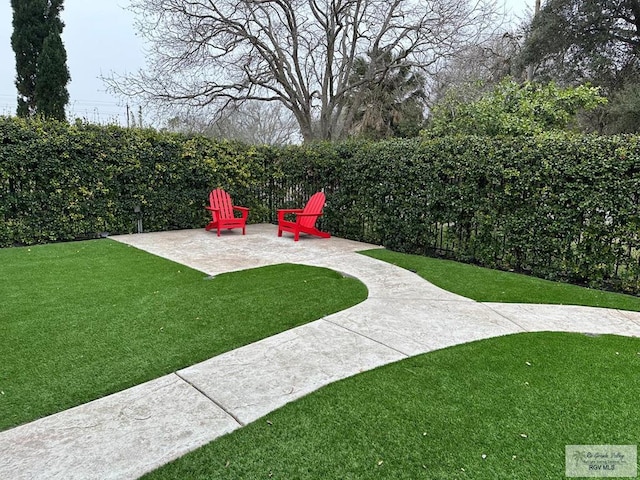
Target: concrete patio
132, 432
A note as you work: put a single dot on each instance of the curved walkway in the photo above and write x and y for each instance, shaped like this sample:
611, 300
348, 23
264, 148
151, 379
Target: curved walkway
127, 434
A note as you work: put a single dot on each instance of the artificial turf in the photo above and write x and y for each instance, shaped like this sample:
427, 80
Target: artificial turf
85, 319
497, 408
487, 285
502, 408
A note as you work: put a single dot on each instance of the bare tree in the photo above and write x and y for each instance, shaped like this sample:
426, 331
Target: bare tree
297, 52
479, 68
256, 123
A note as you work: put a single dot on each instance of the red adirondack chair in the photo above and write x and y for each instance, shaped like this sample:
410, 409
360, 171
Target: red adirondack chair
222, 212
305, 218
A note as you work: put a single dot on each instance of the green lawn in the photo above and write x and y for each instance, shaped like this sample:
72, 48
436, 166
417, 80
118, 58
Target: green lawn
517, 400
83, 320
486, 285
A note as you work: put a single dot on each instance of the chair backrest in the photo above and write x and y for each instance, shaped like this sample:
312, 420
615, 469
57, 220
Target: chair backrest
220, 199
314, 205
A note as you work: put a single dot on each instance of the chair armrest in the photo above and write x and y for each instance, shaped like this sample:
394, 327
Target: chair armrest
212, 209
282, 212
290, 210
243, 209
309, 214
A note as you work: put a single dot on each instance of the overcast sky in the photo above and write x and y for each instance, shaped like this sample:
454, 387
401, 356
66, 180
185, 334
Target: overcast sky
100, 38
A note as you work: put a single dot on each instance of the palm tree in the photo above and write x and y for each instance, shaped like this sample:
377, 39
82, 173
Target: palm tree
394, 107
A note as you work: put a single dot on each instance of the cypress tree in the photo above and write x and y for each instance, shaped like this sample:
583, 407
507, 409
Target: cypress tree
51, 78
41, 59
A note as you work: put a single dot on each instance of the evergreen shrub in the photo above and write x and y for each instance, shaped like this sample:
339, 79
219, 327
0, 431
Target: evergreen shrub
558, 206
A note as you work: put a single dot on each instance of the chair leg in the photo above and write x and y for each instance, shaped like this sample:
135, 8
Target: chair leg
279, 232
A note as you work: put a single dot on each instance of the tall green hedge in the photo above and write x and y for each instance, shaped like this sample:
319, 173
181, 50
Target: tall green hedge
556, 206
65, 182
